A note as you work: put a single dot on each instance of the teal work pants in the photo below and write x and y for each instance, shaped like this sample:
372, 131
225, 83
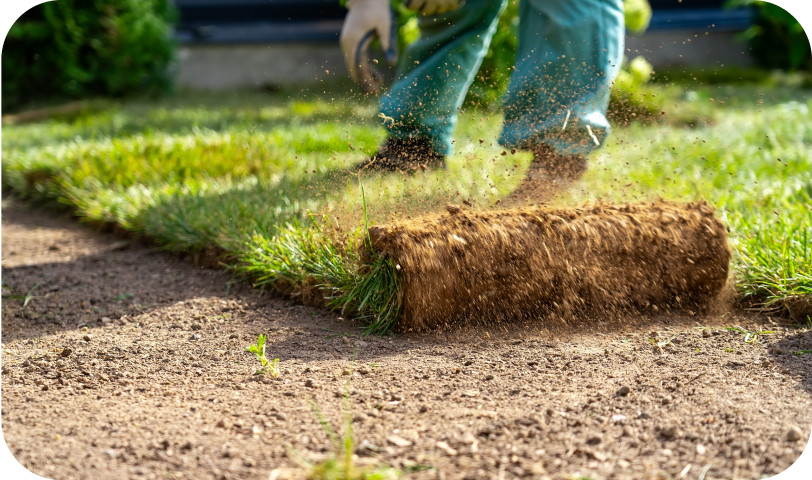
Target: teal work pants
569, 53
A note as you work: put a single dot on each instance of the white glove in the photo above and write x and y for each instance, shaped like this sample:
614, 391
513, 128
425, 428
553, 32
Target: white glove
365, 21
433, 7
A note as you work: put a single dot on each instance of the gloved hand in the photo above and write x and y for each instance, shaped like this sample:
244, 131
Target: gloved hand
432, 7
365, 21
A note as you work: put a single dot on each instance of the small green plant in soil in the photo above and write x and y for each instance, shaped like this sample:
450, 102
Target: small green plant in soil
27, 297
339, 464
662, 343
269, 367
749, 337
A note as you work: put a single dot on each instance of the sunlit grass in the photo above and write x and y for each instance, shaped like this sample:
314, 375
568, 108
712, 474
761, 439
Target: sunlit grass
200, 170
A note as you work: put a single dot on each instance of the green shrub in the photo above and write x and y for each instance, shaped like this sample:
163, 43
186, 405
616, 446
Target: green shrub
777, 40
78, 48
637, 15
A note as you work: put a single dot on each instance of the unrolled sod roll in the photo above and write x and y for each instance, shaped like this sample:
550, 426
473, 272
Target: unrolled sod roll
514, 263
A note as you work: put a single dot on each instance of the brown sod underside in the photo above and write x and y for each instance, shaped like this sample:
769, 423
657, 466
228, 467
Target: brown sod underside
511, 263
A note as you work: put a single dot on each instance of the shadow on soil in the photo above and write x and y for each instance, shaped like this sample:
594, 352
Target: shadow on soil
794, 355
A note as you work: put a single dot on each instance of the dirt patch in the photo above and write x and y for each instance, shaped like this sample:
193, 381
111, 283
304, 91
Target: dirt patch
158, 385
510, 264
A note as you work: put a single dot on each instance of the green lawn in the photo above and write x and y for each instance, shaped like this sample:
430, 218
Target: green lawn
260, 176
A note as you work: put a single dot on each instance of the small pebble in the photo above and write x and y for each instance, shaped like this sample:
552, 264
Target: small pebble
424, 408
666, 400
623, 391
66, 352
706, 333
669, 432
195, 337
310, 383
196, 326
593, 440
87, 338
794, 434
221, 424
398, 441
489, 377
363, 371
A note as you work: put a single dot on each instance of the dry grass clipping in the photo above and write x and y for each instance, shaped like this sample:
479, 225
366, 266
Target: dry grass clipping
511, 263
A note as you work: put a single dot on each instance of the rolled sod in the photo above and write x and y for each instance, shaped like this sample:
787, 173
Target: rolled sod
514, 263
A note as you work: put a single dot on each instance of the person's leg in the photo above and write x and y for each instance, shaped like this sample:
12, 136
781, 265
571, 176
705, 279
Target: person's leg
569, 53
436, 71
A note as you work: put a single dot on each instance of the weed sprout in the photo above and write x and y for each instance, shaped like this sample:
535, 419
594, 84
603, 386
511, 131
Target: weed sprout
269, 367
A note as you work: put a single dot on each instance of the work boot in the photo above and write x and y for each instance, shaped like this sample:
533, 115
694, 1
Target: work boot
548, 175
403, 155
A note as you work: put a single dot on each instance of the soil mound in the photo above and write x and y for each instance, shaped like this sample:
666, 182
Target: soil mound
510, 263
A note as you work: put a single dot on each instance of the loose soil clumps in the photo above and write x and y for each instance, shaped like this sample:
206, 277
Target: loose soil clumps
510, 263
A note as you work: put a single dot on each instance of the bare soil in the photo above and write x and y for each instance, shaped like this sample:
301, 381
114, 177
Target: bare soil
131, 363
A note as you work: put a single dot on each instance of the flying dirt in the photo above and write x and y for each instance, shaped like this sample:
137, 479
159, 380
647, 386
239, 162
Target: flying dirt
509, 264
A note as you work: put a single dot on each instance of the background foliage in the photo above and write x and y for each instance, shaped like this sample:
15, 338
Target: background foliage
777, 39
78, 48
